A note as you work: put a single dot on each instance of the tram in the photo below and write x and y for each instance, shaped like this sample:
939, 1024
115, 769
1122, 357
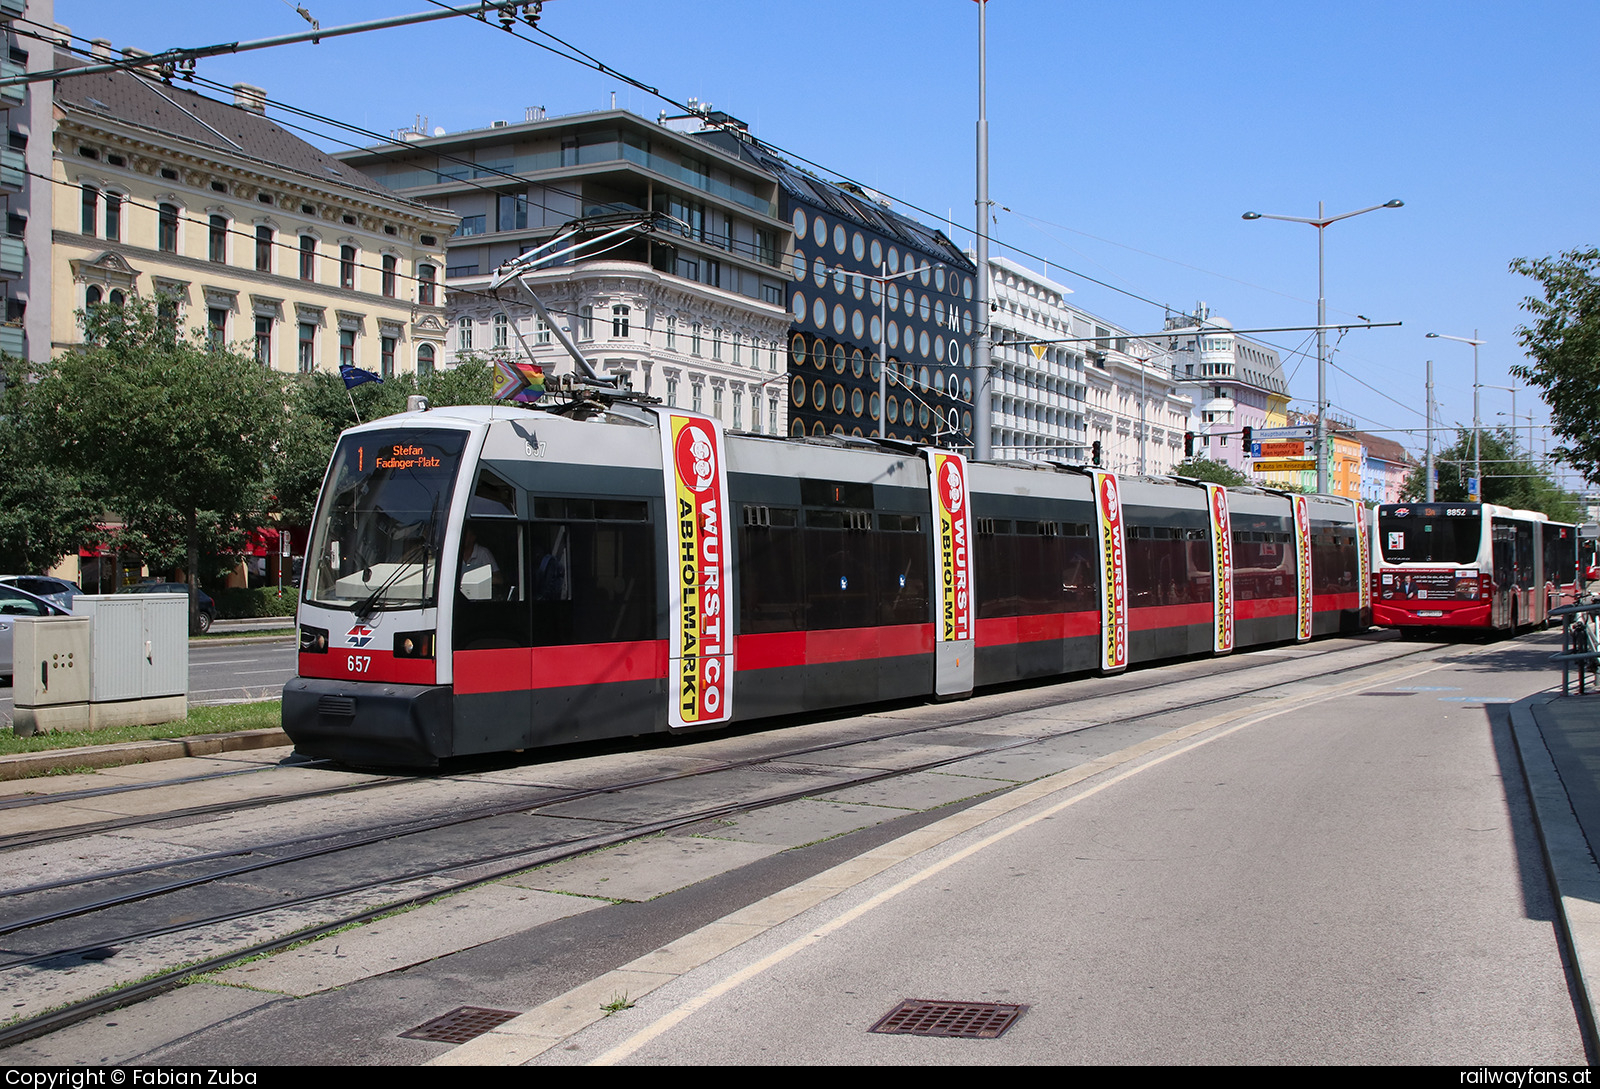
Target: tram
1461, 565
488, 579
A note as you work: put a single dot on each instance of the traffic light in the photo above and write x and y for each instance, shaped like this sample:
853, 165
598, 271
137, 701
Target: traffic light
1245, 438
1188, 444
1094, 451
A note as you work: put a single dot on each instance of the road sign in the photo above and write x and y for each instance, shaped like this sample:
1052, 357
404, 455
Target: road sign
1281, 448
1472, 490
1272, 434
1284, 465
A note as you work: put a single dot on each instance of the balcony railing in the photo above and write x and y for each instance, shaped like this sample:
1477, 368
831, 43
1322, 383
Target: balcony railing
12, 341
13, 255
13, 168
14, 93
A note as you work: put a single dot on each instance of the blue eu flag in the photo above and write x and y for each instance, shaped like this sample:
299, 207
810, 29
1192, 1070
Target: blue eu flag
353, 376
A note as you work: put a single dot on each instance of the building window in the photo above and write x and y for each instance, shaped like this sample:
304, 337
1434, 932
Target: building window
716, 401
167, 230
738, 339
586, 322
113, 217
347, 267
218, 242
91, 210
425, 284
672, 393
541, 331
93, 296
264, 341
619, 322
425, 361
347, 347
308, 347
772, 415
386, 356
464, 335
391, 267
263, 249
501, 331
738, 409
216, 326
308, 258
699, 397
694, 339
716, 345
512, 213
672, 334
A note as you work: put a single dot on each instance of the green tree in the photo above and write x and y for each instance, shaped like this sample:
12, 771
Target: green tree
1564, 343
1212, 472
1510, 477
181, 434
46, 511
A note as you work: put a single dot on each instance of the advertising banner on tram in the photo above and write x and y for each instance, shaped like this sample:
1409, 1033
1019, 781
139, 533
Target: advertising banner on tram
1113, 556
1222, 569
700, 669
952, 517
1302, 568
1364, 554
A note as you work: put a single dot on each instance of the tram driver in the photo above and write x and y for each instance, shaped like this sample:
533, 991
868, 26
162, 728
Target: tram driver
480, 572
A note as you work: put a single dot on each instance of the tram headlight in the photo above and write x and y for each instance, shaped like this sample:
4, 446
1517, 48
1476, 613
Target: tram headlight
313, 640
413, 644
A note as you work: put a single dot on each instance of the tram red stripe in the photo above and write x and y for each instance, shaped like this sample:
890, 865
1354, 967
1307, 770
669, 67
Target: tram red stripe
1329, 602
1169, 616
1036, 628
777, 650
515, 669
1261, 607
346, 664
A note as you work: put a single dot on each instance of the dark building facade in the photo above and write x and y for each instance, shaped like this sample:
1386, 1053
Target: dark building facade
864, 276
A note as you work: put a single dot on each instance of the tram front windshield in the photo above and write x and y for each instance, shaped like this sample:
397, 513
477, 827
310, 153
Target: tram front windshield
1431, 534
380, 526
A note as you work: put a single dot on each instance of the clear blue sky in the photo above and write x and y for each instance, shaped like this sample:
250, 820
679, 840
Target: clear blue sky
1127, 138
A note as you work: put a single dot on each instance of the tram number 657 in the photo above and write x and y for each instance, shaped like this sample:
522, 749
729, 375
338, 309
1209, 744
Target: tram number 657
358, 663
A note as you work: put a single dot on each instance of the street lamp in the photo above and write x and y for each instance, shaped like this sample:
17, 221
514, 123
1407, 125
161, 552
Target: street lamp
1477, 459
1320, 222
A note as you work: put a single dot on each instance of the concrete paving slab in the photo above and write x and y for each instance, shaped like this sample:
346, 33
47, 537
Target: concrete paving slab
603, 770
125, 1035
1021, 765
793, 824
886, 755
917, 791
463, 921
645, 869
659, 801
694, 949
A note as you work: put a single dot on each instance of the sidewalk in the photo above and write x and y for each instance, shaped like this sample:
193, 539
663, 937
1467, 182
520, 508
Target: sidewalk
1558, 739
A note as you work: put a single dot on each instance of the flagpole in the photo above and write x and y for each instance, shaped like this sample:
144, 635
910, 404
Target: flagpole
352, 397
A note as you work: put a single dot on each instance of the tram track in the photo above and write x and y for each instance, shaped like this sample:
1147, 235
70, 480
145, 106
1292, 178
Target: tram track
372, 834
492, 866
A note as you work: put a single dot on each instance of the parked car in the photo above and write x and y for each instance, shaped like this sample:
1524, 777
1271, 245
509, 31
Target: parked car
56, 591
15, 603
208, 608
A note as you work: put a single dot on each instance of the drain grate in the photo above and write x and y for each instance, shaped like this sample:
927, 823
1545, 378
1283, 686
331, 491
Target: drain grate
459, 1025
969, 1020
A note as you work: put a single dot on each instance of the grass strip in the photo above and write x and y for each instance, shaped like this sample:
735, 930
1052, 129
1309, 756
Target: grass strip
221, 719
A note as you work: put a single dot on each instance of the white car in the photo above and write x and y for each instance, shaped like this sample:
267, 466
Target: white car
15, 603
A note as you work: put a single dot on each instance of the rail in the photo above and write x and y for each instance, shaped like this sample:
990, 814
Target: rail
1580, 643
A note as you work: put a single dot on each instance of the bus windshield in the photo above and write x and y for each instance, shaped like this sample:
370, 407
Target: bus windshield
380, 525
1431, 534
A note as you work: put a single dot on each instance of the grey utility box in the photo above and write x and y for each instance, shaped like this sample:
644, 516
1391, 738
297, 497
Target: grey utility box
53, 669
141, 657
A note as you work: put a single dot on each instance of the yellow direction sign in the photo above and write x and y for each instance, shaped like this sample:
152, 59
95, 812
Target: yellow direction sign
1282, 465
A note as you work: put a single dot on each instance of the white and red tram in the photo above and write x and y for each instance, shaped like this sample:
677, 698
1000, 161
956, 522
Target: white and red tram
491, 579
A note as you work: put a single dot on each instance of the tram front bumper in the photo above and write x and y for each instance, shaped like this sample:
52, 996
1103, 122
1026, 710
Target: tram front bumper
366, 723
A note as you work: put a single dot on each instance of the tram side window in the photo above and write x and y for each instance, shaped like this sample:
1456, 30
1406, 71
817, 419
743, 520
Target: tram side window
1334, 563
1032, 568
491, 608
1261, 564
591, 566
840, 559
771, 581
902, 570
1164, 567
